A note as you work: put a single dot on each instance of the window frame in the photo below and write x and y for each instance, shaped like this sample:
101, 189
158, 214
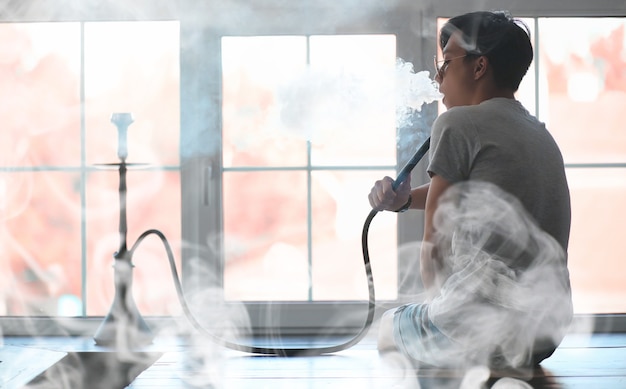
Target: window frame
201, 174
412, 47
201, 28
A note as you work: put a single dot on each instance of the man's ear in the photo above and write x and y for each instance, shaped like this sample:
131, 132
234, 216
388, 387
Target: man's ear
480, 67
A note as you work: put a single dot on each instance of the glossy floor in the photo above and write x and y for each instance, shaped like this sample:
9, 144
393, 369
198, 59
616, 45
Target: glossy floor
582, 361
597, 361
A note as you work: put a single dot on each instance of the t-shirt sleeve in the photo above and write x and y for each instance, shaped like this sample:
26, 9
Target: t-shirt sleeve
454, 146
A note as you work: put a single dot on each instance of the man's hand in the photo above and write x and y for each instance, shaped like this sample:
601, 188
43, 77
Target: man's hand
382, 197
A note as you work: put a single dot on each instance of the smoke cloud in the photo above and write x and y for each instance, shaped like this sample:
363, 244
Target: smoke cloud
504, 289
316, 103
505, 286
479, 223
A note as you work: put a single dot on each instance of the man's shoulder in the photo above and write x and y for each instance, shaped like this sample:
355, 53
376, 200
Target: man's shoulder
460, 116
463, 111
451, 114
486, 111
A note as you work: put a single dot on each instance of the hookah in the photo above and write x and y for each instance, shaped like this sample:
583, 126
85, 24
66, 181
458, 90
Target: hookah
124, 325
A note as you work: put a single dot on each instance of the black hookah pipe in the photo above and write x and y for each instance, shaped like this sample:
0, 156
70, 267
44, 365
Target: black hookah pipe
278, 351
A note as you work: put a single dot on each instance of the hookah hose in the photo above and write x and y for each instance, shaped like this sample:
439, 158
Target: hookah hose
288, 352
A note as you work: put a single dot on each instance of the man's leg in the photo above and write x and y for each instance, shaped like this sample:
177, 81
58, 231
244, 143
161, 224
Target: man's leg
386, 342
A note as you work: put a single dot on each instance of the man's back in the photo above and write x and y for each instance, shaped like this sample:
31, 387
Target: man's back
499, 142
502, 231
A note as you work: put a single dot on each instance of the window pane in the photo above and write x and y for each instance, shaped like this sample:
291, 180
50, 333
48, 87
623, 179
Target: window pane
40, 94
133, 67
280, 113
265, 234
256, 74
582, 76
596, 259
41, 244
153, 202
338, 218
41, 107
353, 110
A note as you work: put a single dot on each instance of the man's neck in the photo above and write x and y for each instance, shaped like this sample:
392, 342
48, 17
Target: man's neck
488, 92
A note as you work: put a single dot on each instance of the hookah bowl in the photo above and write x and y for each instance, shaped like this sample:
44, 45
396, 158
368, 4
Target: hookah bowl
123, 326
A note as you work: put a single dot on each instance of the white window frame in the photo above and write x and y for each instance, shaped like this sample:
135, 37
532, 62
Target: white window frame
201, 174
202, 25
416, 36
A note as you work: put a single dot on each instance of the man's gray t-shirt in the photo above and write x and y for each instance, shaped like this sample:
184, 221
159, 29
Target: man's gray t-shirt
507, 284
499, 142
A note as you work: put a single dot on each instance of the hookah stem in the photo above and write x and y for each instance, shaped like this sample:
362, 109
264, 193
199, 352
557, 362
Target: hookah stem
122, 253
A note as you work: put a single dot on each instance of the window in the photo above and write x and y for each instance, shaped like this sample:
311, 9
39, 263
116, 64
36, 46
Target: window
62, 82
306, 129
261, 208
308, 122
582, 89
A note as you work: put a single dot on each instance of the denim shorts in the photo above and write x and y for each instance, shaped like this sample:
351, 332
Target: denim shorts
419, 339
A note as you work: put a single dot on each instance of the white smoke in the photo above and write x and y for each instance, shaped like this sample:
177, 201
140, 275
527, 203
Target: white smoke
413, 90
313, 106
507, 286
316, 104
504, 288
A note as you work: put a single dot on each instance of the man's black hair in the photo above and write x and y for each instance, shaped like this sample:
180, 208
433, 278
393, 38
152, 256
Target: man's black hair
505, 42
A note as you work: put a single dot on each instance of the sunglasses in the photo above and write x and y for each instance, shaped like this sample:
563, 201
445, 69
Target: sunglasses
442, 65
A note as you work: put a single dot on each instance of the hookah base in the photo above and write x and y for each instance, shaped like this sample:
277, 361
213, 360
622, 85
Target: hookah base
124, 332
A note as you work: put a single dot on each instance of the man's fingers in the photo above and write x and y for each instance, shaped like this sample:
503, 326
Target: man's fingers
382, 194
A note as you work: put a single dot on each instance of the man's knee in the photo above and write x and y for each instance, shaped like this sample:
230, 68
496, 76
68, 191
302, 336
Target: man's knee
385, 332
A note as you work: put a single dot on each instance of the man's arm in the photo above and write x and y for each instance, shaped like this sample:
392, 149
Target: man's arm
418, 196
429, 262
